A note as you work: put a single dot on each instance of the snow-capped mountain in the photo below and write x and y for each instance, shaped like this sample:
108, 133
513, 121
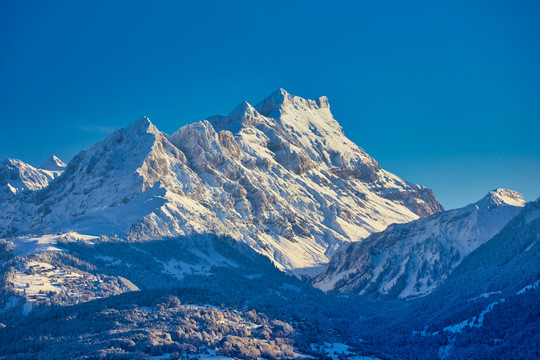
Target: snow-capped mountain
280, 176
487, 308
17, 176
53, 164
412, 259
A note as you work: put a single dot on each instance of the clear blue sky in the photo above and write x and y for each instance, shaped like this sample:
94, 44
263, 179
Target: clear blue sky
444, 94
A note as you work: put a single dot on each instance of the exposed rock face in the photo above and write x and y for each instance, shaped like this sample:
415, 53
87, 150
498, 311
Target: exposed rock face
413, 259
280, 176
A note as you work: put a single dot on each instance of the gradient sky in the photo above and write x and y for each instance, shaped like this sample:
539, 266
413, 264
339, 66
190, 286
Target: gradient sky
444, 94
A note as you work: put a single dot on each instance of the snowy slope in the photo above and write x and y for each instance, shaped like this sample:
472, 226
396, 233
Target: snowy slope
109, 187
492, 291
53, 164
281, 177
17, 176
413, 259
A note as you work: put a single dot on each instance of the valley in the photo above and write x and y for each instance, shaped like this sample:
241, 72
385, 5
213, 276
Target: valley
265, 233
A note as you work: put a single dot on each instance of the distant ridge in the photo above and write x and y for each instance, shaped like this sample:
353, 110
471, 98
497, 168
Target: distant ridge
408, 260
53, 164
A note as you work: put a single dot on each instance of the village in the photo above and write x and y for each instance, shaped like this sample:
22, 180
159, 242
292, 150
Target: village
36, 281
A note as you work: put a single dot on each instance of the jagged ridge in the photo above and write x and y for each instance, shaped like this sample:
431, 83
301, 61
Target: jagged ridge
17, 176
280, 176
413, 259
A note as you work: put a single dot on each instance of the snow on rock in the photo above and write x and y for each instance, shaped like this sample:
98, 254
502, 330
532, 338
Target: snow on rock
53, 164
412, 259
281, 177
17, 176
501, 197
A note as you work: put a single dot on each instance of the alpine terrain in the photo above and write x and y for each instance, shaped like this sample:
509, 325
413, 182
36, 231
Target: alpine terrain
262, 234
17, 176
281, 176
413, 259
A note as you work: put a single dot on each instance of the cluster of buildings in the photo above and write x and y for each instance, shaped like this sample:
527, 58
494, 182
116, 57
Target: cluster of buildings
37, 280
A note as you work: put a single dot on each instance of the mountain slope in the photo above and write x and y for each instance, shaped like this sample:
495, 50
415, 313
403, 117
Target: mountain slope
17, 176
53, 164
112, 185
281, 177
487, 308
413, 259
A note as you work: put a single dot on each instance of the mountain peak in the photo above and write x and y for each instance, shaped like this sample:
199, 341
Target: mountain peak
53, 164
11, 161
293, 186
501, 197
429, 249
242, 115
17, 176
143, 124
243, 111
282, 100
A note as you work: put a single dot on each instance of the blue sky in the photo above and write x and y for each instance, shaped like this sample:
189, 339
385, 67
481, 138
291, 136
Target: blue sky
444, 94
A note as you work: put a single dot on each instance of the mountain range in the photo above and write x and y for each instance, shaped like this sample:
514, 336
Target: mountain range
412, 259
281, 177
265, 233
17, 176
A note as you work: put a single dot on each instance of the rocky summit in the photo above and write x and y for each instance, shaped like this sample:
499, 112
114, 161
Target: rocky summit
280, 176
